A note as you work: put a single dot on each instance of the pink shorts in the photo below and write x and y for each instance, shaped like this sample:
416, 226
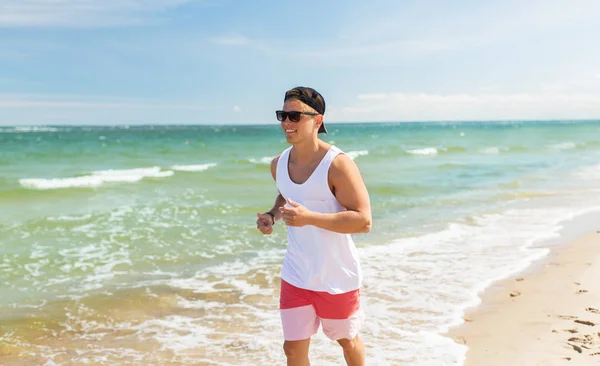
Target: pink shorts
302, 311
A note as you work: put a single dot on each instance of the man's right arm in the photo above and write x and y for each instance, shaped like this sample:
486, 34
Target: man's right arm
267, 219
279, 200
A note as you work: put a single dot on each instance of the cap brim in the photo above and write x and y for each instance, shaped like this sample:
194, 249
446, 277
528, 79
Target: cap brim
322, 129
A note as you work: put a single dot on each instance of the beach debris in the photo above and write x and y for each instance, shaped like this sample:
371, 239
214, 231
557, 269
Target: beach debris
467, 319
567, 358
575, 347
567, 317
519, 279
582, 291
515, 293
595, 354
554, 331
587, 341
593, 310
571, 330
577, 283
585, 322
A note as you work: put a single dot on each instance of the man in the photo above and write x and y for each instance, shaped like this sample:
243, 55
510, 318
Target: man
322, 200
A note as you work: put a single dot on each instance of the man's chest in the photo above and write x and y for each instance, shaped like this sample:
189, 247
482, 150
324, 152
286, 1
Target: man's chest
299, 174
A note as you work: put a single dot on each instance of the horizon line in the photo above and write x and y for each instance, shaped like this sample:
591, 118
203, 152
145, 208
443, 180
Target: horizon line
337, 122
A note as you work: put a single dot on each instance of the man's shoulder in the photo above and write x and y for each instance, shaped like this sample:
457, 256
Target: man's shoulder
275, 160
342, 162
343, 168
274, 163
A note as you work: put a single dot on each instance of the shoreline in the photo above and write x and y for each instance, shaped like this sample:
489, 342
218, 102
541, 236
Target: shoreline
546, 314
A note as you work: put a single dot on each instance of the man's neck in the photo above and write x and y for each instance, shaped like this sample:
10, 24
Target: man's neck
305, 151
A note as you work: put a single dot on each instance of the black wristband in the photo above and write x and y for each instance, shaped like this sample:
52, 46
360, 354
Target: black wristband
272, 216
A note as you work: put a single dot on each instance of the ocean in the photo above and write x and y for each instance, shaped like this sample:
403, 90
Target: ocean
129, 245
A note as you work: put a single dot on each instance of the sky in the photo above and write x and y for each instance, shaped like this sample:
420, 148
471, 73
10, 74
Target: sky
230, 62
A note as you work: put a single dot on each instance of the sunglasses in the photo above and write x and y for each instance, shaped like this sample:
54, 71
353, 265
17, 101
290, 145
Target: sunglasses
293, 116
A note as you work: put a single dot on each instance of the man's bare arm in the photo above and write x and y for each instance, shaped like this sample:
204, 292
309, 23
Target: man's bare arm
279, 200
351, 193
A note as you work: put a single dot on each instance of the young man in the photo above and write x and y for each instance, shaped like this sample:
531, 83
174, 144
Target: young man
322, 200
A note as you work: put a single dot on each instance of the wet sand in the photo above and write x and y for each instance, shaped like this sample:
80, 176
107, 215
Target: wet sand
546, 315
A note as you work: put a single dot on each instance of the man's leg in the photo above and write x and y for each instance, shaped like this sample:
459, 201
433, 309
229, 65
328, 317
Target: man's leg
354, 351
299, 321
345, 332
296, 352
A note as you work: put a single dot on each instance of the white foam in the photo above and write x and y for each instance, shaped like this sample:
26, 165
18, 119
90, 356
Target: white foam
96, 179
193, 168
69, 218
589, 173
56, 183
563, 146
263, 160
25, 129
175, 333
427, 151
355, 154
491, 150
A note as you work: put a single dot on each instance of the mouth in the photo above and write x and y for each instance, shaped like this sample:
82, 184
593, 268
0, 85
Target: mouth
290, 132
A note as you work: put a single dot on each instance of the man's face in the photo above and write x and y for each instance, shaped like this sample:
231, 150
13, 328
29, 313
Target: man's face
305, 127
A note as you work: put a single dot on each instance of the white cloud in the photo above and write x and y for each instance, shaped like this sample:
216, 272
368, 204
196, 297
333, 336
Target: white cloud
236, 108
464, 106
81, 13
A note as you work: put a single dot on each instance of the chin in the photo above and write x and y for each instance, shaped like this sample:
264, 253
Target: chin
291, 138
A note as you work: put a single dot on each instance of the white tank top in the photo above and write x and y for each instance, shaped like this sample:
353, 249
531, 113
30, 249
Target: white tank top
317, 259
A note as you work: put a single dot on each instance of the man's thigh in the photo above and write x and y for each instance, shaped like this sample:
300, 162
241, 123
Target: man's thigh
298, 316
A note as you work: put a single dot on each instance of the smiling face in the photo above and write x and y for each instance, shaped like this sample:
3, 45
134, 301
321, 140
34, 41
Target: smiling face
306, 128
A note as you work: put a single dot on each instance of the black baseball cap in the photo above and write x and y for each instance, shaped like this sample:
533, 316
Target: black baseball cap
311, 98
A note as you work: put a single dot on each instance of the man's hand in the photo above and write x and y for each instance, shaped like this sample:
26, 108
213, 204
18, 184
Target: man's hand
264, 223
295, 214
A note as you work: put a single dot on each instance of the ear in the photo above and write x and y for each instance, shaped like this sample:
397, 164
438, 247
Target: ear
319, 121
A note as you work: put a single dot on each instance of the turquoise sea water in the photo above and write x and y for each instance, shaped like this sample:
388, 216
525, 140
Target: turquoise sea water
138, 245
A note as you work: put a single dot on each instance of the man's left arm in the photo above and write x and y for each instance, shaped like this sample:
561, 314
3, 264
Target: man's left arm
352, 194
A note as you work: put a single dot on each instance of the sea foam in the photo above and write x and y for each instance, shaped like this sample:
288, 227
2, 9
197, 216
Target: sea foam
424, 151
96, 178
193, 168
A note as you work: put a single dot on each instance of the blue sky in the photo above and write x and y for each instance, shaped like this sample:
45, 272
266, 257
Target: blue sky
225, 61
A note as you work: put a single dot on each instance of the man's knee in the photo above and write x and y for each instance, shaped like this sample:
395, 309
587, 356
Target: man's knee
295, 349
289, 349
347, 344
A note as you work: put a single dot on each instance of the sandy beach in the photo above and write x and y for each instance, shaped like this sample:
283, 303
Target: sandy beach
546, 315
